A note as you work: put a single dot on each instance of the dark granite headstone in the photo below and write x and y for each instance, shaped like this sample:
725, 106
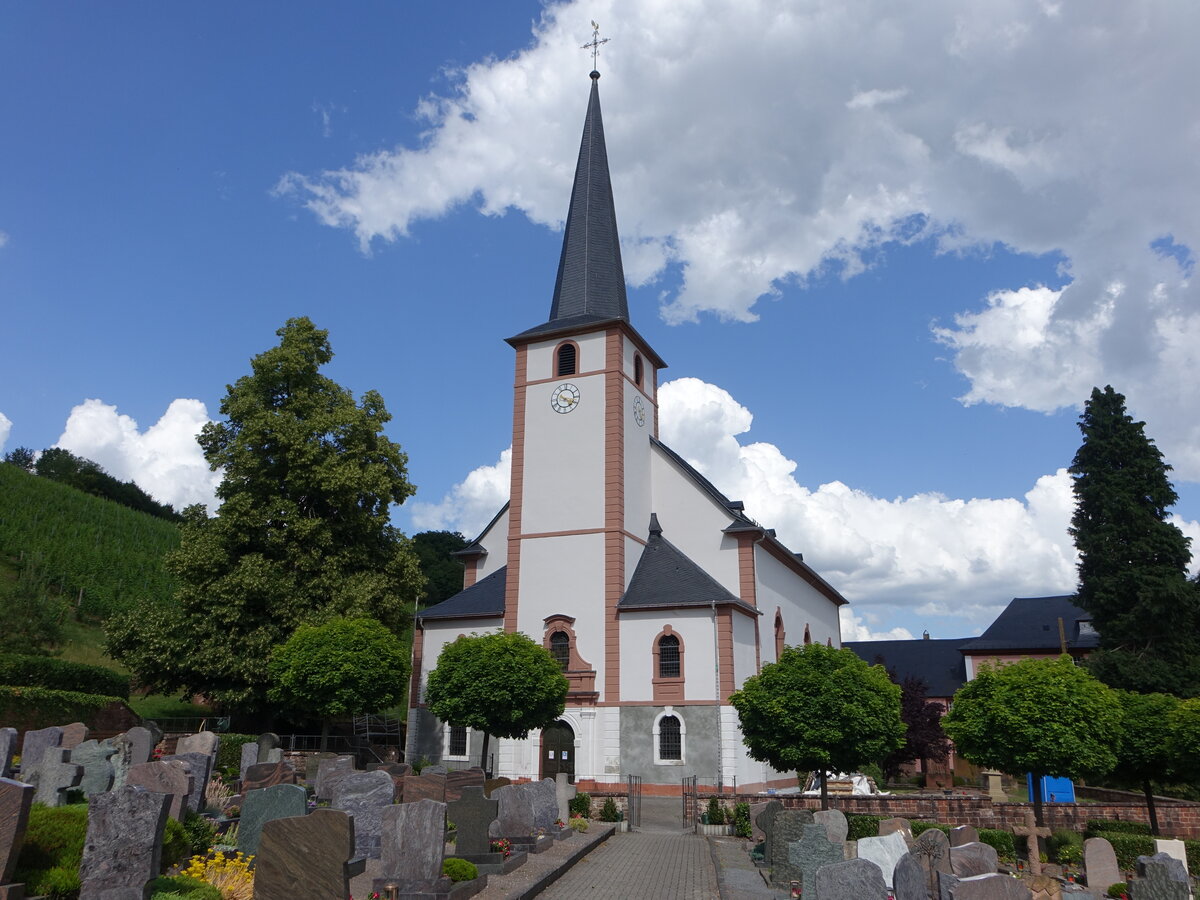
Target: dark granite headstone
434, 770
1100, 863
396, 770
853, 879
365, 795
983, 887
515, 816
813, 851
249, 758
327, 769
122, 759
472, 814
268, 743
968, 860
413, 846
73, 735
765, 823
544, 796
424, 787
8, 748
306, 857
15, 800
95, 759
123, 847
54, 776
964, 834
834, 821
493, 784
171, 778
199, 767
142, 743
264, 775
1160, 877
461, 778
34, 747
261, 806
916, 877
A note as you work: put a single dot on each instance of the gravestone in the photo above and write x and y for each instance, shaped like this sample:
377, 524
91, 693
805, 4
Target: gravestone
54, 776
805, 856
434, 770
1100, 863
514, 817
326, 770
73, 735
835, 823
15, 800
123, 847
365, 795
413, 847
472, 814
206, 742
122, 759
756, 809
461, 778
564, 792
1031, 831
265, 805
897, 824
916, 876
1173, 848
984, 887
788, 828
396, 770
306, 857
142, 743
8, 746
424, 787
853, 879
268, 748
1160, 877
884, 852
265, 775
545, 803
199, 767
994, 785
94, 757
764, 822
492, 784
964, 834
34, 747
274, 755
173, 779
249, 758
969, 860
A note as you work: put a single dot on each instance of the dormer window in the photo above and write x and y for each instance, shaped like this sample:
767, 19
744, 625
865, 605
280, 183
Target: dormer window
637, 369
568, 359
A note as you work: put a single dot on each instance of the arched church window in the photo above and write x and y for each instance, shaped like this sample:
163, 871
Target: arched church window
807, 635
568, 354
560, 649
668, 656
637, 369
670, 739
780, 635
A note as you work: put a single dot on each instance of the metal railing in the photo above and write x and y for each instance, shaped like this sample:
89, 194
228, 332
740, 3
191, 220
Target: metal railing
633, 800
192, 724
691, 814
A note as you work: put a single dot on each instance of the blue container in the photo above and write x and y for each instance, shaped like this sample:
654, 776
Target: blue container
1054, 790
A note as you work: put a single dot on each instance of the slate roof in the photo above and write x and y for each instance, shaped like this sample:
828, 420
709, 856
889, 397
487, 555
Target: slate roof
1031, 623
666, 578
484, 598
939, 662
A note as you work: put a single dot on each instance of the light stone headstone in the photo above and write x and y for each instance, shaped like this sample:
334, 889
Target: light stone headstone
274, 755
15, 800
472, 814
564, 792
984, 887
964, 834
835, 823
268, 743
1173, 848
207, 742
788, 828
306, 857
95, 759
123, 847
171, 778
813, 851
899, 824
365, 795
884, 852
969, 860
259, 807
853, 879
916, 875
8, 747
199, 767
545, 803
249, 758
54, 776
73, 735
326, 770
34, 747
142, 741
1160, 877
122, 759
1100, 863
514, 817
413, 846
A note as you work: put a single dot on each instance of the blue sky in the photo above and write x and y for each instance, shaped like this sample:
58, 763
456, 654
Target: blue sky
904, 244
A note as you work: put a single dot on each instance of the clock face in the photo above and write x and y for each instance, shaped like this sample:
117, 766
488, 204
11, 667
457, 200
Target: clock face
564, 398
639, 411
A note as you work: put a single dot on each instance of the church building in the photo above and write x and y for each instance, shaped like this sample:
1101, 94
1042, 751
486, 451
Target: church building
657, 594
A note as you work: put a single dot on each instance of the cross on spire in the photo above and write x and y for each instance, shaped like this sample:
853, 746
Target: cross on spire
594, 44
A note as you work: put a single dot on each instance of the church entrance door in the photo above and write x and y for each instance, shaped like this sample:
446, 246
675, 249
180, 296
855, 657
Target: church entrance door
558, 750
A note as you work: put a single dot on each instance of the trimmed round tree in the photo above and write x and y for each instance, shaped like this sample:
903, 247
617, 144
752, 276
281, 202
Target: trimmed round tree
502, 684
1045, 716
1143, 744
343, 667
819, 709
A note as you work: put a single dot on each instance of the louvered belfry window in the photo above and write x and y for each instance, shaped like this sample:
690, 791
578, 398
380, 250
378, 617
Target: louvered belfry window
458, 740
670, 740
668, 656
566, 359
560, 649
637, 370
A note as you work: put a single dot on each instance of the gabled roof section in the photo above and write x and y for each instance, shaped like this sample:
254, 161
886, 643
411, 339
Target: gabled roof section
937, 662
666, 578
485, 598
475, 548
1031, 623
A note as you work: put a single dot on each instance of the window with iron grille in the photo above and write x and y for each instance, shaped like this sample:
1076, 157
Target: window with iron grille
668, 656
566, 359
670, 738
560, 649
458, 740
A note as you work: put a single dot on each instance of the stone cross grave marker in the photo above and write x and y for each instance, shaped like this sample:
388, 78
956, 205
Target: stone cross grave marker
969, 860
94, 757
8, 746
788, 828
472, 814
199, 766
365, 795
764, 821
852, 879
413, 846
306, 857
55, 776
34, 747
1160, 877
1032, 832
885, 852
326, 770
171, 778
249, 758
835, 823
1100, 863
123, 848
73, 735
964, 834
261, 806
268, 748
564, 792
916, 875
15, 800
813, 851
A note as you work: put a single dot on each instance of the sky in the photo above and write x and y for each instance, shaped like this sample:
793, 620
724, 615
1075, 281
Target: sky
886, 249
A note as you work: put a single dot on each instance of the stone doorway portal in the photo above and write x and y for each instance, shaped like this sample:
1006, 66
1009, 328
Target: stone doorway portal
558, 750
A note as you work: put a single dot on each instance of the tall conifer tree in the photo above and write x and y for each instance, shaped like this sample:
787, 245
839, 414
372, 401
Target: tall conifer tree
1132, 561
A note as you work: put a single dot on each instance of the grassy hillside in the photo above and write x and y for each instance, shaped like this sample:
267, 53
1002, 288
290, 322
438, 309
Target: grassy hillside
57, 542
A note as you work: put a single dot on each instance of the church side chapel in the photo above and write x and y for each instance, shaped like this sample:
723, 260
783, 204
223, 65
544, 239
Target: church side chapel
658, 595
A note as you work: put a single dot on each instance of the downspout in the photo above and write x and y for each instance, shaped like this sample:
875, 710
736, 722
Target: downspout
717, 674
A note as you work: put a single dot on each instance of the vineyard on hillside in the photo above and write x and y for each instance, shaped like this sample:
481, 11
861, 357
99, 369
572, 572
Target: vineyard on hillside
98, 555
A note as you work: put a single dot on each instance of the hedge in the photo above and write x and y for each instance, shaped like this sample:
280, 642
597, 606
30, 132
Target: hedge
27, 708
60, 675
861, 826
229, 752
999, 840
919, 828
1101, 827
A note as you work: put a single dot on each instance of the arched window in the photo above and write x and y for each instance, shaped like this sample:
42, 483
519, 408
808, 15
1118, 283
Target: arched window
567, 361
670, 739
560, 649
668, 669
807, 634
780, 634
637, 369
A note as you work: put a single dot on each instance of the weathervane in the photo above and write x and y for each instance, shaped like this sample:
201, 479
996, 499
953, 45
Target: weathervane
594, 43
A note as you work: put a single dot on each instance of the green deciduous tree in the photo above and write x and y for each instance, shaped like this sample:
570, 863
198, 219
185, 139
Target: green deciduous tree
1185, 739
22, 457
302, 534
1132, 561
342, 667
821, 709
1143, 744
502, 684
443, 572
1044, 716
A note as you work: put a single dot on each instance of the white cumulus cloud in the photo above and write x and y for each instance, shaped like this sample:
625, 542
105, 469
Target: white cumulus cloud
5, 429
165, 460
470, 504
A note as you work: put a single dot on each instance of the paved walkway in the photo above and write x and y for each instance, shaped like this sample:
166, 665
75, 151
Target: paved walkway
654, 865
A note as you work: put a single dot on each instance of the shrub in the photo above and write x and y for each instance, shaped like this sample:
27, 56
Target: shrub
609, 812
60, 675
919, 828
1118, 890
581, 804
459, 869
1103, 827
1192, 849
715, 812
176, 845
741, 820
1065, 847
229, 753
1000, 841
578, 823
861, 826
182, 886
200, 833
1128, 847
53, 849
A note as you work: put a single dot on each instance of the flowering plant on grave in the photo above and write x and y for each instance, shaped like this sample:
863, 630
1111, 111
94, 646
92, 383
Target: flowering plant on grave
559, 823
503, 845
231, 875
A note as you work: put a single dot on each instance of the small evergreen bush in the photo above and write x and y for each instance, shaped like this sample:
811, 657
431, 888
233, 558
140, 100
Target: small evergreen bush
177, 847
1118, 890
459, 869
581, 804
53, 849
741, 820
715, 812
201, 833
609, 811
861, 826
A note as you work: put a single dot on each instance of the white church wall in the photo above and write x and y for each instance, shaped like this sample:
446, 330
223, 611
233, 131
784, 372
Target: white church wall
745, 656
540, 363
801, 604
495, 541
696, 633
437, 635
638, 493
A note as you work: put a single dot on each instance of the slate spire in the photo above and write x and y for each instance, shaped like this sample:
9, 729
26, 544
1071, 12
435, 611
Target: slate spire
591, 281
